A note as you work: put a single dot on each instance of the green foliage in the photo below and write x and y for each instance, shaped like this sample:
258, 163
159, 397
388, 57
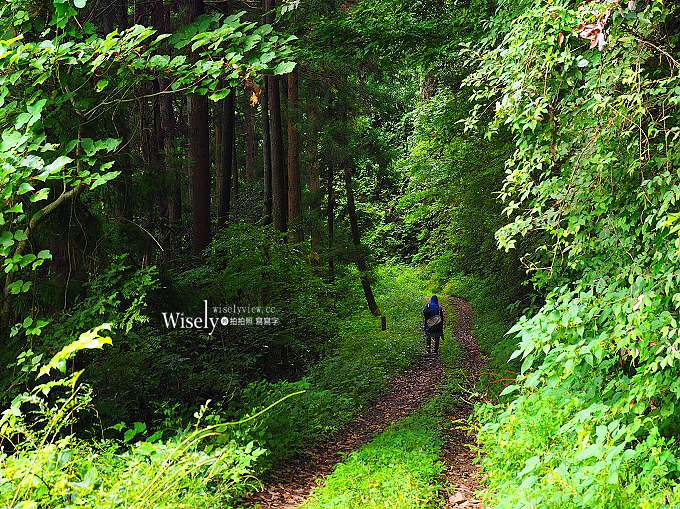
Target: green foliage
594, 181
48, 467
48, 94
339, 386
43, 422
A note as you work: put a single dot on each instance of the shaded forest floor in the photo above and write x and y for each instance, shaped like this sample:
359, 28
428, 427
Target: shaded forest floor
291, 484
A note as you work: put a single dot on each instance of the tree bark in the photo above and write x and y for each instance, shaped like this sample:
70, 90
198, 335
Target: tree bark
279, 202
294, 185
266, 154
250, 138
166, 135
356, 240
314, 177
199, 153
330, 217
234, 165
226, 160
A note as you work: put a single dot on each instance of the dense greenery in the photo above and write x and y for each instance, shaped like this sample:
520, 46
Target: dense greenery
226, 187
593, 181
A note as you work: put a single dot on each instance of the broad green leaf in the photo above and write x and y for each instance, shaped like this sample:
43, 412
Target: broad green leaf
101, 84
284, 67
24, 188
6, 239
220, 94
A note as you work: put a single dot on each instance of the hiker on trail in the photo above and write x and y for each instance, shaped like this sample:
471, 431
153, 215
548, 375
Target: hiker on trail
434, 323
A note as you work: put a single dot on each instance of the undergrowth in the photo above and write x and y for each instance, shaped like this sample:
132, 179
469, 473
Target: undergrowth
210, 460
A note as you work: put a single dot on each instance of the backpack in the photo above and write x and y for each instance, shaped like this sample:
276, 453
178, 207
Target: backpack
434, 323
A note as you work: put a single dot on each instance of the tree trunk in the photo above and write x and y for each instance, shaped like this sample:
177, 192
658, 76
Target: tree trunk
226, 160
356, 240
218, 113
330, 216
314, 176
234, 165
266, 154
199, 153
294, 186
172, 188
250, 138
279, 202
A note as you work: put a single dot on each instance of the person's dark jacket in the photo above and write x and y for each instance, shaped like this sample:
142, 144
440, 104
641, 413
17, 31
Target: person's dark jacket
432, 309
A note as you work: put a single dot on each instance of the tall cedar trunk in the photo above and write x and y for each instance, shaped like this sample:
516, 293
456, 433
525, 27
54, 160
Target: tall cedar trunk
279, 202
315, 202
266, 154
294, 186
356, 240
172, 189
199, 153
171, 174
218, 111
159, 166
250, 138
226, 149
330, 216
314, 175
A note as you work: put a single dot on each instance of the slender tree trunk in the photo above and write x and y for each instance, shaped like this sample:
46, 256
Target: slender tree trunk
315, 202
356, 240
234, 165
330, 217
294, 185
226, 160
171, 174
218, 113
279, 202
266, 154
172, 190
250, 138
199, 153
314, 176
159, 144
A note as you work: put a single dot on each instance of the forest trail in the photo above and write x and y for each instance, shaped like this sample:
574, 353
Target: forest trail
292, 484
461, 471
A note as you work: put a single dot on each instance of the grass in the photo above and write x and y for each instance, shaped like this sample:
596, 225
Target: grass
400, 468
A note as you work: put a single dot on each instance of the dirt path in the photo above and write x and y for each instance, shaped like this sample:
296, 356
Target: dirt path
292, 484
461, 473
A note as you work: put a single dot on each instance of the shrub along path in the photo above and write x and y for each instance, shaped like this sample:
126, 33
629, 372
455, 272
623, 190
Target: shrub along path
291, 485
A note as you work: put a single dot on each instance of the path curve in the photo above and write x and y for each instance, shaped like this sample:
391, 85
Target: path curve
291, 484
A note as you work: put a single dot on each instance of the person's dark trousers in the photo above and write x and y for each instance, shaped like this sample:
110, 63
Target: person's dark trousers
429, 343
